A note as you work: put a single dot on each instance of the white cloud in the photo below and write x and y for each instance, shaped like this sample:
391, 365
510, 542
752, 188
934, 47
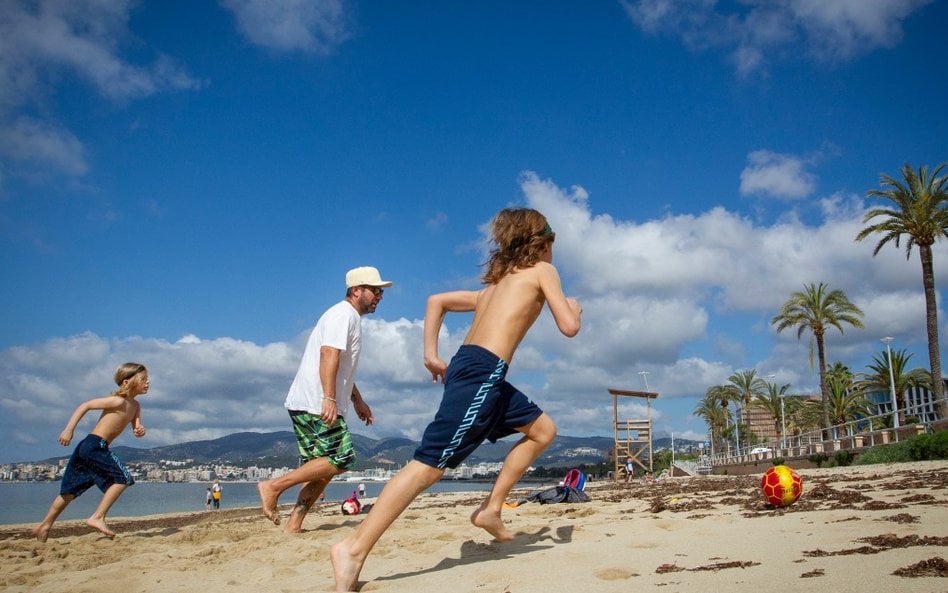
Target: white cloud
654, 290
312, 26
687, 298
758, 31
39, 42
82, 38
27, 139
778, 175
843, 29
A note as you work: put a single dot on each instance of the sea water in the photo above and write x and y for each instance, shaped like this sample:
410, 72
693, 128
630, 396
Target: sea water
27, 502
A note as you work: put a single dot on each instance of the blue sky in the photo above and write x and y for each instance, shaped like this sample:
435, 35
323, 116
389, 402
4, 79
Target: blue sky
184, 184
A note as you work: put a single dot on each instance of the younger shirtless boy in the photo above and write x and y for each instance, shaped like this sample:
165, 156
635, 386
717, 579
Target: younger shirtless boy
92, 462
478, 403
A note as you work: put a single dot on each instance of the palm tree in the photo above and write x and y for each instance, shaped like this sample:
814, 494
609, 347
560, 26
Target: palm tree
879, 380
744, 386
772, 400
718, 397
846, 400
719, 393
920, 211
816, 309
792, 406
809, 415
840, 373
714, 414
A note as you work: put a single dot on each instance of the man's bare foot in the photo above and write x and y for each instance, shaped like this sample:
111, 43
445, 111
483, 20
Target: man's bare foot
268, 502
41, 532
491, 523
294, 523
99, 525
345, 568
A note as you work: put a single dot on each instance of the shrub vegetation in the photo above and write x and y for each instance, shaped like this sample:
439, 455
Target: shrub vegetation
920, 448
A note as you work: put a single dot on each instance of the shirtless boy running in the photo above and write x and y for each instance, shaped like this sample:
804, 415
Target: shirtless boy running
92, 462
478, 403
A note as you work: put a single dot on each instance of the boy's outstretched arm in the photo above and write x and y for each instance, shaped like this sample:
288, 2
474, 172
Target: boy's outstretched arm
438, 305
100, 403
566, 311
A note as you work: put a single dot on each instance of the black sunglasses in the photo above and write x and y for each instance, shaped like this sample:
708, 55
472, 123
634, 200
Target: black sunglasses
375, 289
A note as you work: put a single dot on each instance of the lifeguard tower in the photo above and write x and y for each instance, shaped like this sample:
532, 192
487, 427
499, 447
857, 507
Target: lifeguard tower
632, 437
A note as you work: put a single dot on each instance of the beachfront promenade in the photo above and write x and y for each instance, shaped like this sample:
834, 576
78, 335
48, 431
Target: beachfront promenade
797, 450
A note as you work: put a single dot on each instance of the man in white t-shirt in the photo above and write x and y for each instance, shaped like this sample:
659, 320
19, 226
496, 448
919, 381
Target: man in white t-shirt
318, 400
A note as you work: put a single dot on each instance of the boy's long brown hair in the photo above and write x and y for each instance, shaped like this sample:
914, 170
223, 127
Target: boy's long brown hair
126, 371
520, 235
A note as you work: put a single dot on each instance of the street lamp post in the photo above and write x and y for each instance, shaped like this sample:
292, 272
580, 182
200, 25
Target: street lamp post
783, 424
737, 430
895, 409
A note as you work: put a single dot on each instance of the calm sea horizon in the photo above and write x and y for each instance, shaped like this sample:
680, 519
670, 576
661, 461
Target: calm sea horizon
28, 502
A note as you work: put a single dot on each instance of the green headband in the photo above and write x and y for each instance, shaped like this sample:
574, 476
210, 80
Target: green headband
546, 232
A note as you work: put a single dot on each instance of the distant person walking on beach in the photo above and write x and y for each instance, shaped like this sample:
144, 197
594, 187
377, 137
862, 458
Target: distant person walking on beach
207, 500
318, 400
91, 461
216, 493
478, 403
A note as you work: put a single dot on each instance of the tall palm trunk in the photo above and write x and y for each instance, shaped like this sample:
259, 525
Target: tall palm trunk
931, 318
824, 390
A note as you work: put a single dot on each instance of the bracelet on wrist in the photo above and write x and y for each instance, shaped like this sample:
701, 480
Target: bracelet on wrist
332, 399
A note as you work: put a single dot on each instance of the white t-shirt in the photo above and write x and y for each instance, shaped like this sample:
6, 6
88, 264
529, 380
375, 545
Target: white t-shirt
339, 327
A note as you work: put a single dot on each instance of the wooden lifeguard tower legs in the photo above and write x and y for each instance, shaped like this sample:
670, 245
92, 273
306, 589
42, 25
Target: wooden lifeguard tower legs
633, 438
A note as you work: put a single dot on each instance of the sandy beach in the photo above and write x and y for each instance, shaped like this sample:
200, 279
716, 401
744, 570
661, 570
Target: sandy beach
861, 529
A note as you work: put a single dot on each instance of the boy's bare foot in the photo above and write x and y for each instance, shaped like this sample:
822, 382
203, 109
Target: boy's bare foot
345, 568
41, 532
99, 525
268, 502
491, 523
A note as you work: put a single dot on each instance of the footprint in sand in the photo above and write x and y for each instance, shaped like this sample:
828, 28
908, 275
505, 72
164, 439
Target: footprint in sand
614, 574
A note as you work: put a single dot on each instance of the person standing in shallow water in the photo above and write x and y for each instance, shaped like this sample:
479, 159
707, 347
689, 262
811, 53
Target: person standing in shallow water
478, 403
319, 397
92, 463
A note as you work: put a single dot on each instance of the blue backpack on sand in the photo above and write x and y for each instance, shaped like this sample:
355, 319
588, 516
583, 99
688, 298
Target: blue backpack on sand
575, 478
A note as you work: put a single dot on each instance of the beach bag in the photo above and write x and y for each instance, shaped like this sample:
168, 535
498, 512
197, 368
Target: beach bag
571, 490
559, 494
552, 495
217, 495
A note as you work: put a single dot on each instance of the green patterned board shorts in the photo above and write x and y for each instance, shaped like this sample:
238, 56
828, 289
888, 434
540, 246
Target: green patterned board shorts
315, 439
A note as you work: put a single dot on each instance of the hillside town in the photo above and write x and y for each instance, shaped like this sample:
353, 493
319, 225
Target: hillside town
188, 471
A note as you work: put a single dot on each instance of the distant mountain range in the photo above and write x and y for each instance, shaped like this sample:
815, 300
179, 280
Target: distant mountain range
278, 449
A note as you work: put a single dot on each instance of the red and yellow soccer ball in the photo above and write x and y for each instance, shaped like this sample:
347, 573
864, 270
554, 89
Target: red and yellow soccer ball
781, 486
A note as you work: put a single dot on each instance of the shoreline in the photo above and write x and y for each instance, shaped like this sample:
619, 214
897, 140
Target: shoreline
856, 529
